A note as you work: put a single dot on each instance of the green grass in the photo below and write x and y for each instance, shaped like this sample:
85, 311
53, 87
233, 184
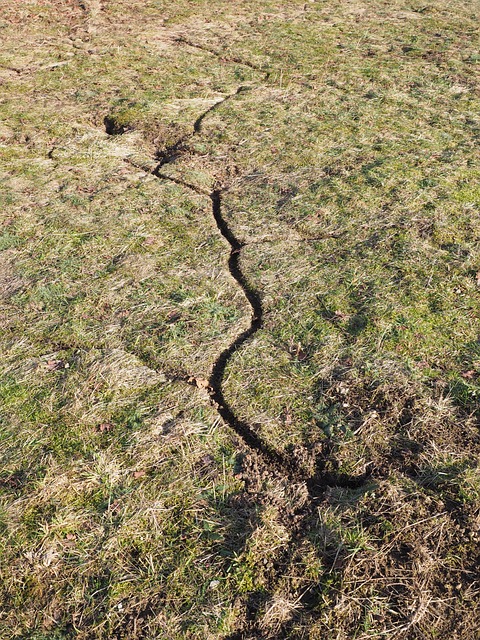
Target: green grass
128, 508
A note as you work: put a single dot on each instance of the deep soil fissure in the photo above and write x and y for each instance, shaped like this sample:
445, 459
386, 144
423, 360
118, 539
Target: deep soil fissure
280, 463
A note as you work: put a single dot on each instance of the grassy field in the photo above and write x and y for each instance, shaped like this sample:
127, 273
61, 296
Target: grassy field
239, 319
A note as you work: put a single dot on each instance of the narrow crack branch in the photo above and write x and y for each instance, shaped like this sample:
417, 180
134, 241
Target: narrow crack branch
221, 56
236, 60
182, 183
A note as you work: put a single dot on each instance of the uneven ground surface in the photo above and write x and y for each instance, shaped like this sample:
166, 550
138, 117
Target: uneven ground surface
239, 323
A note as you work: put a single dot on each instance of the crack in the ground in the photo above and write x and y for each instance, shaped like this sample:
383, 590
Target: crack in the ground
284, 465
226, 58
171, 152
278, 465
242, 428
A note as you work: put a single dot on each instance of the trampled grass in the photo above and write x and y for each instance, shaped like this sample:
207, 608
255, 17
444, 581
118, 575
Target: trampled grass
343, 140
